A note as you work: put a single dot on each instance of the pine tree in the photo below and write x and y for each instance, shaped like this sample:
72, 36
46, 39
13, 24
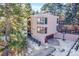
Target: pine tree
15, 15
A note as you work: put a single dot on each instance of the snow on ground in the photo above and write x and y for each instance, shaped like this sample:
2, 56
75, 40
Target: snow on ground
43, 52
32, 47
63, 48
64, 45
74, 52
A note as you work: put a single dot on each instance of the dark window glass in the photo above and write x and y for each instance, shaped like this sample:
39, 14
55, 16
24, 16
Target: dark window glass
45, 20
45, 29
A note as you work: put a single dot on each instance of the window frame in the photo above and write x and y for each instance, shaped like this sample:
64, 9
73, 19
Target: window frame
43, 30
42, 20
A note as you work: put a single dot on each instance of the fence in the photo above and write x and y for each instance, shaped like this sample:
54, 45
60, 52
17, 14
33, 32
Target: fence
66, 36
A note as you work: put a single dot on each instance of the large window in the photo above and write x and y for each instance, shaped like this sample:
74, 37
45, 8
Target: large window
42, 30
42, 20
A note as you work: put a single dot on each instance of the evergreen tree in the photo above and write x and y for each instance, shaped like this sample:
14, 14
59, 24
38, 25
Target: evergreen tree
15, 15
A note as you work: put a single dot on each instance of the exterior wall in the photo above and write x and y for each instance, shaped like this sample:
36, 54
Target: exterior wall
51, 26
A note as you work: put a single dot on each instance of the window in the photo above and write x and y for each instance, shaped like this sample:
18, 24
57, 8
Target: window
45, 29
42, 21
38, 29
45, 20
57, 20
42, 30
38, 21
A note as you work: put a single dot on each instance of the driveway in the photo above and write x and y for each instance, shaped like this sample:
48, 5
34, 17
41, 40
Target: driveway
44, 52
53, 42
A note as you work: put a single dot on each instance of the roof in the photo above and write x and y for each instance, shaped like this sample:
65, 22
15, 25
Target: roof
43, 15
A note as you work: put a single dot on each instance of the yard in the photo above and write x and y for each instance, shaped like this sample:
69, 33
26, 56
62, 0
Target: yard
61, 47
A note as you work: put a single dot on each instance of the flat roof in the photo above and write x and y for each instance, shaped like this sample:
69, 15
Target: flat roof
43, 15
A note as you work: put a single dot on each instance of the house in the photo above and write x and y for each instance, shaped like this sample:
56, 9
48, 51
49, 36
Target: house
43, 26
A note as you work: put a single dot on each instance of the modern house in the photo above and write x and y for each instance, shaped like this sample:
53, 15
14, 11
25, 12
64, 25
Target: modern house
43, 26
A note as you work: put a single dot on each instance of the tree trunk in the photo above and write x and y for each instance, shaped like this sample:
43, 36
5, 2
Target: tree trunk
7, 27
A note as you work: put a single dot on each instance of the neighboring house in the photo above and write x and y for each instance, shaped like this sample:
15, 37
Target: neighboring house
43, 26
